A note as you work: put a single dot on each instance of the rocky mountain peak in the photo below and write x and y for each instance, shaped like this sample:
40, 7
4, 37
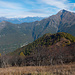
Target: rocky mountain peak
61, 12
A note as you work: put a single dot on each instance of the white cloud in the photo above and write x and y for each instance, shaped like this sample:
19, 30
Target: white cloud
57, 3
5, 4
34, 8
73, 6
15, 14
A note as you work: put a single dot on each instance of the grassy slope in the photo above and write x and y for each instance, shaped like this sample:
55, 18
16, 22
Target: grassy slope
40, 70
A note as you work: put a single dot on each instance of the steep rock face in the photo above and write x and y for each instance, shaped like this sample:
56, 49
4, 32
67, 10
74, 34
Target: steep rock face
67, 22
63, 21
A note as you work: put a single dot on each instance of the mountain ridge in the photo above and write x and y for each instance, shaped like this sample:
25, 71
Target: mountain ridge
21, 20
25, 33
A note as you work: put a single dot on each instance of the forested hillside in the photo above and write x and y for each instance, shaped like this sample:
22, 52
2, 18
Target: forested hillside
50, 49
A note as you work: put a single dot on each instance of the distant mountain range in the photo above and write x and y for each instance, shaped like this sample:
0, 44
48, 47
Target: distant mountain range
13, 36
21, 20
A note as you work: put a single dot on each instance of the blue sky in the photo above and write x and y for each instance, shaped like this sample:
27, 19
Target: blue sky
32, 8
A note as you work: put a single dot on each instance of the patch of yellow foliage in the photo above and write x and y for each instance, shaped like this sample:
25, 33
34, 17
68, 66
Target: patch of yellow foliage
22, 54
0, 54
